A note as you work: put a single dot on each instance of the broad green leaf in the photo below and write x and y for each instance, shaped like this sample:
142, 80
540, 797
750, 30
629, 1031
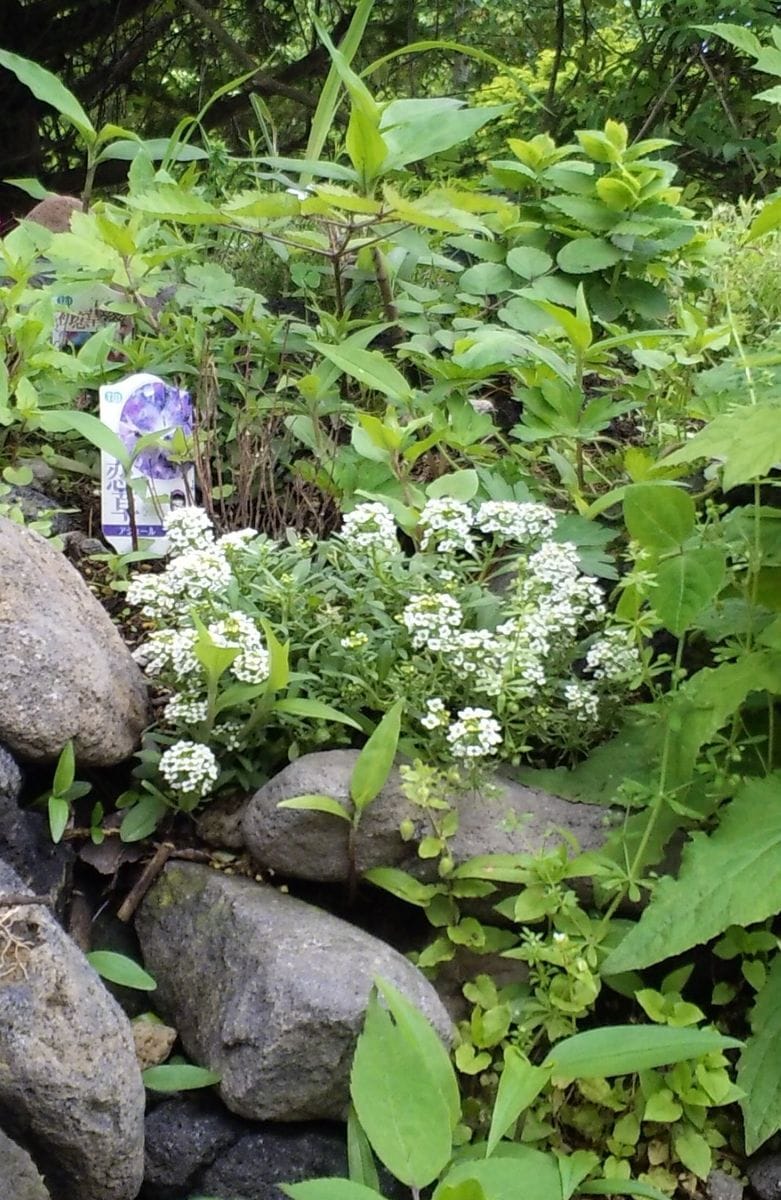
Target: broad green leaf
90, 428
584, 255
573, 1169
142, 818
313, 803
468, 1189
487, 279
768, 219
329, 1189
519, 1085
685, 584
758, 1074
369, 367
434, 1060
279, 653
178, 1077
621, 1187
658, 516
728, 878
529, 262
577, 330
399, 883
430, 128
459, 485
323, 119
48, 88
693, 1151
265, 205
59, 814
747, 440
401, 1109
66, 769
517, 1172
118, 968
626, 1049
737, 35
374, 763
155, 148
315, 709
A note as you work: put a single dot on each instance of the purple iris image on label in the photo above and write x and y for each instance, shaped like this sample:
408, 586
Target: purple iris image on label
151, 408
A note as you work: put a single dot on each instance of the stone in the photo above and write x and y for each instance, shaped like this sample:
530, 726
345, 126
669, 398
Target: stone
255, 1166
184, 1136
764, 1175
19, 1178
267, 990
70, 1087
219, 823
37, 506
721, 1186
64, 669
26, 844
314, 846
153, 1041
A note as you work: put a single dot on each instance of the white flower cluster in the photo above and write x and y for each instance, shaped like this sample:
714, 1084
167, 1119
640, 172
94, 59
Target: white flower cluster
554, 584
437, 716
190, 577
354, 640
474, 734
613, 657
515, 521
446, 526
170, 650
186, 708
189, 768
482, 656
582, 700
370, 526
188, 528
237, 631
431, 620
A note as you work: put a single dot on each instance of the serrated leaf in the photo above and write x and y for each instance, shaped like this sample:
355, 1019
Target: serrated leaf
626, 1049
728, 878
686, 584
118, 968
758, 1074
747, 440
658, 516
312, 803
584, 255
737, 35
529, 262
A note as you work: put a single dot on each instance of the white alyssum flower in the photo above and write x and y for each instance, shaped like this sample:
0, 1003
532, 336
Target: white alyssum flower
354, 640
236, 630
474, 734
186, 708
196, 575
582, 700
188, 528
431, 620
189, 768
613, 657
554, 584
170, 650
154, 596
252, 665
236, 541
229, 734
480, 655
437, 716
515, 520
370, 526
446, 526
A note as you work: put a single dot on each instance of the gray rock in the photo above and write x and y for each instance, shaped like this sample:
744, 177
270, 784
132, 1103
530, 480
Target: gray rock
261, 1160
26, 844
721, 1186
184, 1136
64, 670
19, 1179
70, 1087
313, 845
764, 1175
267, 990
36, 505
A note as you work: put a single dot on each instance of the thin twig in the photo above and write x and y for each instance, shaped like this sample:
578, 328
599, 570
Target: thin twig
145, 881
12, 899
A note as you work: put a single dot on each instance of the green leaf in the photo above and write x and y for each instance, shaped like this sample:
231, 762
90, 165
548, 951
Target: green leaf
118, 968
459, 485
626, 1049
90, 428
728, 878
178, 1077
693, 1151
758, 1075
59, 815
279, 653
329, 1189
48, 88
747, 440
155, 148
621, 1187
369, 367
519, 1086
375, 761
658, 516
584, 255
687, 583
487, 279
399, 1100
175, 202
325, 804
400, 884
737, 35
529, 262
432, 126
323, 118
519, 1171
302, 707
142, 818
360, 1159
65, 772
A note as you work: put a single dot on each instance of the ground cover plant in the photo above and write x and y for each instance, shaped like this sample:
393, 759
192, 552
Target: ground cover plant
493, 484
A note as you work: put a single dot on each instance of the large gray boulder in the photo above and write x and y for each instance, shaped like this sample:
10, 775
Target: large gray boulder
64, 670
267, 990
19, 1178
70, 1087
313, 845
